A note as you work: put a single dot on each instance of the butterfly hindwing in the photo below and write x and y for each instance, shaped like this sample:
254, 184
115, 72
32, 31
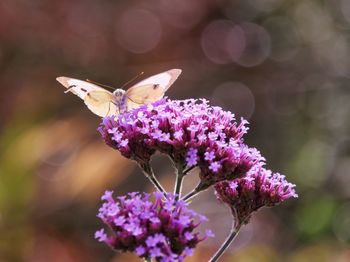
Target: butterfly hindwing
101, 103
145, 94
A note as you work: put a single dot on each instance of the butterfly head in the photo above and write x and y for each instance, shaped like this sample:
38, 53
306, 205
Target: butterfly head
118, 93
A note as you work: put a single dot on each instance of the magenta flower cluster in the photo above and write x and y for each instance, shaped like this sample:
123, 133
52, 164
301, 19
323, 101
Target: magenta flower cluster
162, 229
191, 132
259, 188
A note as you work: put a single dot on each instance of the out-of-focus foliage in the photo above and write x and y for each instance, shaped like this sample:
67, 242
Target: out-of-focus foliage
283, 65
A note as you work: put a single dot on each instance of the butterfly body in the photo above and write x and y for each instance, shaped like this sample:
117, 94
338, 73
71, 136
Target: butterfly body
120, 100
104, 103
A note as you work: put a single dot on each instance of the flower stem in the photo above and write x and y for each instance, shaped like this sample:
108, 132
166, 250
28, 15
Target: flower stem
178, 183
199, 188
148, 171
234, 232
188, 170
189, 195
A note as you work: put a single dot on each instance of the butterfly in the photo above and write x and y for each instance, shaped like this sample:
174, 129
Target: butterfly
105, 103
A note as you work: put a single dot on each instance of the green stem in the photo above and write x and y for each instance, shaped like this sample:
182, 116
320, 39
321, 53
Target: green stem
178, 182
189, 195
234, 232
148, 171
189, 169
199, 188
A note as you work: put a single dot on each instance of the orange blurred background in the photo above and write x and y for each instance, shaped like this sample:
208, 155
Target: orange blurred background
283, 65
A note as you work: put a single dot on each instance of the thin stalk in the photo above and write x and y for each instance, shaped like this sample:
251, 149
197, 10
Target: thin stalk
199, 188
189, 195
227, 243
188, 169
148, 171
178, 182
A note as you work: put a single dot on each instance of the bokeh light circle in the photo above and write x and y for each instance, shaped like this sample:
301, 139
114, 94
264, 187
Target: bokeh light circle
235, 42
138, 31
285, 40
257, 45
313, 22
213, 41
333, 55
235, 97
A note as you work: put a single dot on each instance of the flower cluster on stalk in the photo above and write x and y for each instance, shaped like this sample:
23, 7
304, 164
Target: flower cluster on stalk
259, 188
162, 229
191, 132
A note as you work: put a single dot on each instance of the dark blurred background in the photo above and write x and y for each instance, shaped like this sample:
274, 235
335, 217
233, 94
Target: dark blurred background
283, 65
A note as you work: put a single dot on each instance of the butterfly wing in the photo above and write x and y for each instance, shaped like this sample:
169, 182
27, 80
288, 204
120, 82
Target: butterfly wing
77, 87
151, 89
101, 103
97, 99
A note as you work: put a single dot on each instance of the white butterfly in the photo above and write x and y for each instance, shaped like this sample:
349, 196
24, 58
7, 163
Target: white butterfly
104, 103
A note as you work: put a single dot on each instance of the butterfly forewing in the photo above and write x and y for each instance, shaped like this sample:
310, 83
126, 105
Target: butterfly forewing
164, 80
78, 87
151, 89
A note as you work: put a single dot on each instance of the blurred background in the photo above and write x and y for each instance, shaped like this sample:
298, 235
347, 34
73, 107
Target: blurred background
283, 65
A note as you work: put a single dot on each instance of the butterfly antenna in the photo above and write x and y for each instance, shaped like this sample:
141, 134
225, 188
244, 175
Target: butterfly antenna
133, 79
96, 83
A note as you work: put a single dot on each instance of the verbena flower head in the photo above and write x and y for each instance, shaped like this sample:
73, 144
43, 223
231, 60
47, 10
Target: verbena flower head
259, 188
191, 132
162, 229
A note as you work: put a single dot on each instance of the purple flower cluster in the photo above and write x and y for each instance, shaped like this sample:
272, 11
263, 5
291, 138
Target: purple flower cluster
259, 188
191, 132
161, 229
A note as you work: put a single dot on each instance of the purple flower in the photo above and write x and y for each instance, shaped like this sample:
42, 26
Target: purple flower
192, 157
140, 251
100, 235
190, 132
259, 188
209, 233
209, 156
107, 195
165, 233
215, 166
